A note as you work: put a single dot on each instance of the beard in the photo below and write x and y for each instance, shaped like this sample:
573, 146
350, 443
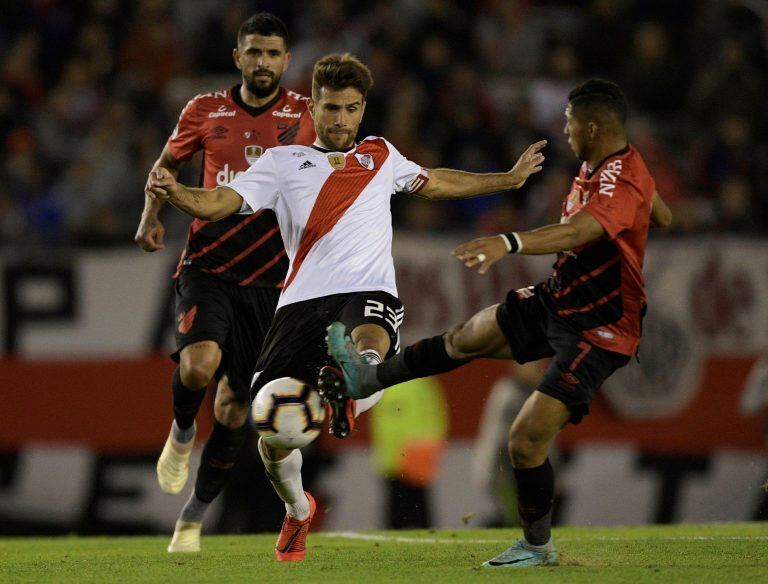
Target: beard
340, 141
262, 88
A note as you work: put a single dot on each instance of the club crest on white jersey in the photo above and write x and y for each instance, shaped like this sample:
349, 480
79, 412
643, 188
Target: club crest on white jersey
365, 160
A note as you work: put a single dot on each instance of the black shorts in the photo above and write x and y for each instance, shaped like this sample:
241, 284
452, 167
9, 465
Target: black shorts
577, 369
295, 344
235, 317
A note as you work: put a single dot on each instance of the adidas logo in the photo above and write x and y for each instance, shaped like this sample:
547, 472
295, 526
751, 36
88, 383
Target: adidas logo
307, 164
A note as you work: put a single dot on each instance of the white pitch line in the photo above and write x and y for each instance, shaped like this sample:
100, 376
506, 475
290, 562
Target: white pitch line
401, 539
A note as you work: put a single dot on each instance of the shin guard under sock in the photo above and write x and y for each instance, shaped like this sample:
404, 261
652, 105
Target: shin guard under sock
285, 476
535, 493
186, 402
194, 509
425, 358
219, 456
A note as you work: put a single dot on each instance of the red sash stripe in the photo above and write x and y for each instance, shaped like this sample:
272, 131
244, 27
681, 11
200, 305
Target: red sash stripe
336, 196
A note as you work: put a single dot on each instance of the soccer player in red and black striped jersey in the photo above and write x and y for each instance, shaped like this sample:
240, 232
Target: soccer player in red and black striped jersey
230, 274
586, 316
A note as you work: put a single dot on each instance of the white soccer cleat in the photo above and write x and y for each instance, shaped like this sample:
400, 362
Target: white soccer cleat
173, 465
186, 538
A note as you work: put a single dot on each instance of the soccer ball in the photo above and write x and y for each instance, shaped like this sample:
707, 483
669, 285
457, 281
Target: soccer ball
288, 413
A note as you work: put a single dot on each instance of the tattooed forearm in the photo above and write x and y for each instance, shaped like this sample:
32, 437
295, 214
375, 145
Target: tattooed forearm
206, 204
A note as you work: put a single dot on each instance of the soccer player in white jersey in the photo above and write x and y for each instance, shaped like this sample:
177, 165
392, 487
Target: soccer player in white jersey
332, 202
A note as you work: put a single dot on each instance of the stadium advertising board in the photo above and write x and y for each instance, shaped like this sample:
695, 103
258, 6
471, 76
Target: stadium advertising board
680, 433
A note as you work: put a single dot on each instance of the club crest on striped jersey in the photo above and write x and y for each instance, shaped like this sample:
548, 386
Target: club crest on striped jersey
365, 160
337, 160
253, 152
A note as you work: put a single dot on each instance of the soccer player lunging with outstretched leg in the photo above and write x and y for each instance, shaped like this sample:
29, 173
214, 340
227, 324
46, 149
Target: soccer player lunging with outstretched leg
586, 316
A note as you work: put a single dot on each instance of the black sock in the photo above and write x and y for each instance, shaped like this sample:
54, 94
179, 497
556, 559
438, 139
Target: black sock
425, 358
535, 493
219, 456
186, 402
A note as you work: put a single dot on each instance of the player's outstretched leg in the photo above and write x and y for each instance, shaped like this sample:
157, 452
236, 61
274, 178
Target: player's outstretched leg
285, 476
173, 464
423, 359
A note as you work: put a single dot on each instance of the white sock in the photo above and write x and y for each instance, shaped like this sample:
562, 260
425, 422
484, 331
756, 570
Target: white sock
365, 404
285, 476
370, 357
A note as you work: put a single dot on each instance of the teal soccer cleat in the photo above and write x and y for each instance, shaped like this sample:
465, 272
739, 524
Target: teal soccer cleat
520, 556
342, 349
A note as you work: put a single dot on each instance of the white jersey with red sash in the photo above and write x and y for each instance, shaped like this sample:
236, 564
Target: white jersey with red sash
333, 209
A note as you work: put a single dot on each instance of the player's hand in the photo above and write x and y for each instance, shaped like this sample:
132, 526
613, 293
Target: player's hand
529, 163
482, 252
162, 184
150, 235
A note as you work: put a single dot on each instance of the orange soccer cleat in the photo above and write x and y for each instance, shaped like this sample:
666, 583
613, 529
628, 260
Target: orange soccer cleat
291, 544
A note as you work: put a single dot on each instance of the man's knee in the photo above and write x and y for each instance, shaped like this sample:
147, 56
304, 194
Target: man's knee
480, 336
371, 336
528, 443
197, 374
535, 428
197, 368
525, 450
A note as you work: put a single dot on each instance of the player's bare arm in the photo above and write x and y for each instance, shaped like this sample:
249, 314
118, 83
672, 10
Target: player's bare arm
206, 204
446, 183
579, 229
150, 233
661, 216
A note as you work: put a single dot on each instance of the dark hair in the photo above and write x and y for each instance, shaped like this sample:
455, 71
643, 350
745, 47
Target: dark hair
340, 72
599, 97
265, 24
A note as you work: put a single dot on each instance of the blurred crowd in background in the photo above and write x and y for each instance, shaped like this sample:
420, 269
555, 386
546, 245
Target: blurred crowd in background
89, 92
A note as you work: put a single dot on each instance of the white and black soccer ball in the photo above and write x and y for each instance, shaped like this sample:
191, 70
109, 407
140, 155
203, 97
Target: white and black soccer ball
288, 413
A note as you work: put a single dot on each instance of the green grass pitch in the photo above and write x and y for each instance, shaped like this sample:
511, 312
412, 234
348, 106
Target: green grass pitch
682, 553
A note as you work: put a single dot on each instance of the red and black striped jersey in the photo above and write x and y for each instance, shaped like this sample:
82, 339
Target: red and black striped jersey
244, 249
598, 288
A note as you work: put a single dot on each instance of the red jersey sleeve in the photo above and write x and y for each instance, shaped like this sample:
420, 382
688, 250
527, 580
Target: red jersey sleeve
186, 138
616, 210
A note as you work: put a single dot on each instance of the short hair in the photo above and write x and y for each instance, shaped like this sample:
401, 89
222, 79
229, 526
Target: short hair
340, 72
598, 98
264, 24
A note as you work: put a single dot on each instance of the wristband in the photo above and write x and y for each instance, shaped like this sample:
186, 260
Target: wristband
512, 241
